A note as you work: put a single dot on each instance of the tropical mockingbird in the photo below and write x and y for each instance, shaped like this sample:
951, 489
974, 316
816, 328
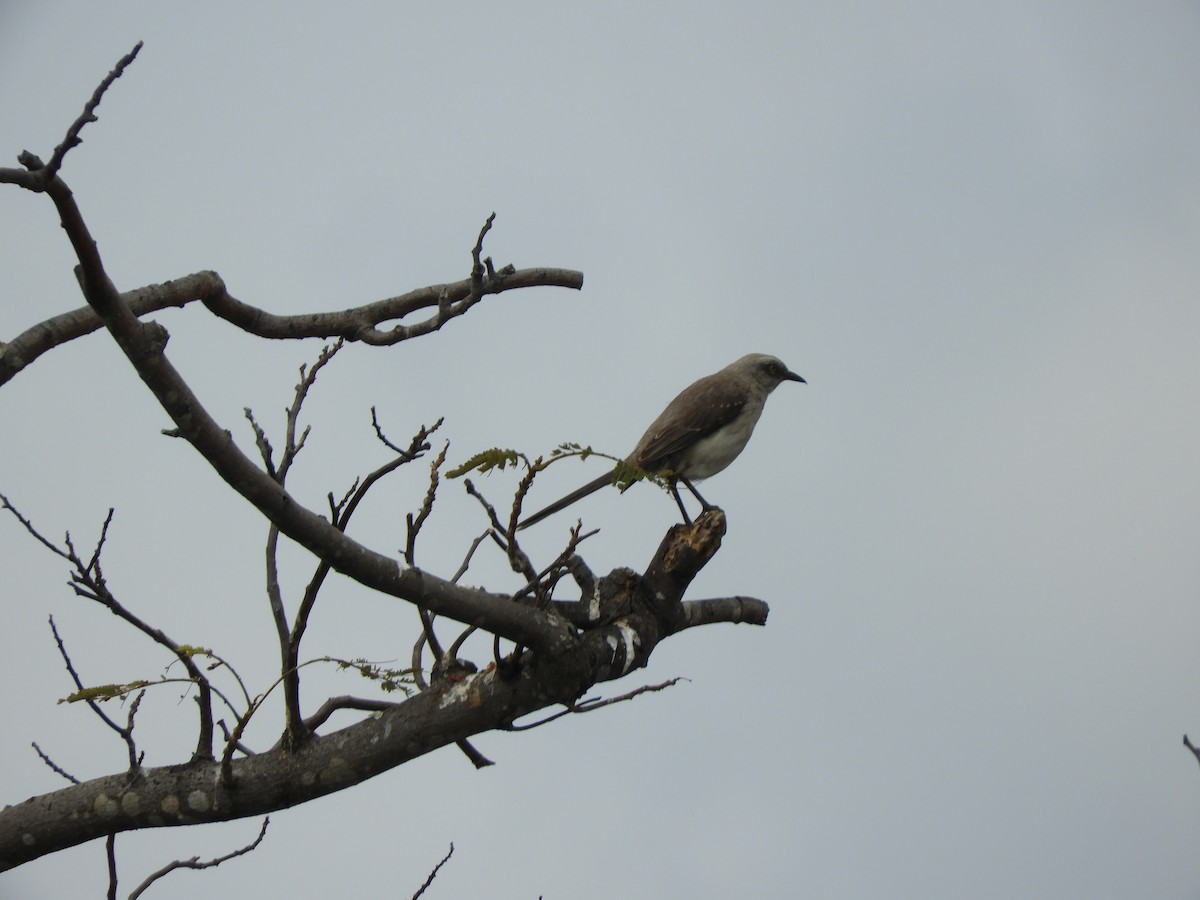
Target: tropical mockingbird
700, 432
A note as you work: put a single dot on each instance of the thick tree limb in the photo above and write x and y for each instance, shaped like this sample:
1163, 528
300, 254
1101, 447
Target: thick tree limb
449, 711
277, 779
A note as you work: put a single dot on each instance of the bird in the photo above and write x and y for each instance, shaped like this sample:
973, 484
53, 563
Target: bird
700, 432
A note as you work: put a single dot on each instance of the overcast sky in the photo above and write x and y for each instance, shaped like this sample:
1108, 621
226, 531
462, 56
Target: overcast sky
973, 227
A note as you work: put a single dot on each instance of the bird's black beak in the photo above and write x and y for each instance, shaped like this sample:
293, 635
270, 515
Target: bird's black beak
792, 376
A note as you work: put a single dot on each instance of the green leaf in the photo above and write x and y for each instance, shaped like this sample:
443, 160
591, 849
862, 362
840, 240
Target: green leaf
104, 692
486, 461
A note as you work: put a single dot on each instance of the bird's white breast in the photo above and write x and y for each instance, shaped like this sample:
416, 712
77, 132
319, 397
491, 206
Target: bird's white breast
713, 453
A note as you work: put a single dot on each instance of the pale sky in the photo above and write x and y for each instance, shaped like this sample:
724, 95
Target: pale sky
973, 228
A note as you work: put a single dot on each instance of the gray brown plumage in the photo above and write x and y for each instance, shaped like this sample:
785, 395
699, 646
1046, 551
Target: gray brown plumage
700, 432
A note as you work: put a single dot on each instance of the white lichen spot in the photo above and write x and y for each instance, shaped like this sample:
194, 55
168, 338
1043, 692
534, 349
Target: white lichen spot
170, 805
462, 691
457, 693
28, 839
593, 610
198, 801
105, 806
131, 804
630, 639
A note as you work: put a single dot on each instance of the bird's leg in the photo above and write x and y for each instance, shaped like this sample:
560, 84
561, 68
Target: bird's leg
679, 500
704, 504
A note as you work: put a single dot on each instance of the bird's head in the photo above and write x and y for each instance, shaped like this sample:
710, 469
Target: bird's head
768, 371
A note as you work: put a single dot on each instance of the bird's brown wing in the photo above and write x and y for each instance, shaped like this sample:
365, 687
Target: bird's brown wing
700, 409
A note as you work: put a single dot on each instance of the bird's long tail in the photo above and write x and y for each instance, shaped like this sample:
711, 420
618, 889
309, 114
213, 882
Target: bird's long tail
578, 494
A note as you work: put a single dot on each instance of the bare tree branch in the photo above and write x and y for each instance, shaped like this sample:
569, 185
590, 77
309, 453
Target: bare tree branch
560, 650
360, 323
37, 175
88, 581
194, 862
288, 649
125, 735
341, 514
144, 343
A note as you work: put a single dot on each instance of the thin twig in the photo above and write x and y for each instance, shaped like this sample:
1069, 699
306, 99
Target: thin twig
1195, 750
221, 662
93, 565
194, 862
28, 526
48, 761
479, 267
333, 704
466, 563
520, 563
586, 706
544, 581
135, 758
418, 653
340, 515
95, 588
95, 707
89, 112
429, 635
433, 874
246, 751
265, 450
110, 854
308, 377
88, 581
415, 523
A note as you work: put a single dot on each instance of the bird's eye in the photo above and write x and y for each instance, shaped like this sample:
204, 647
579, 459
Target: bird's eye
773, 368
